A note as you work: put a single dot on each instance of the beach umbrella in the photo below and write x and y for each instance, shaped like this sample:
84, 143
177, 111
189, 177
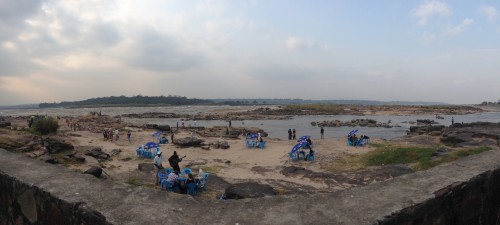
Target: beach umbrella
303, 138
151, 145
297, 146
251, 136
157, 134
352, 132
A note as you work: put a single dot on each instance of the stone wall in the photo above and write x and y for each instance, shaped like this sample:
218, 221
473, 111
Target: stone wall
463, 192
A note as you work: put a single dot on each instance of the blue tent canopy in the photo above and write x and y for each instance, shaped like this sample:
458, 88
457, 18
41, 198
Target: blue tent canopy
352, 132
303, 138
151, 145
251, 136
298, 146
157, 134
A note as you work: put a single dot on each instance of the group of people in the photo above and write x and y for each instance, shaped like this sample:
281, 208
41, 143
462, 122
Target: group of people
358, 141
308, 145
114, 135
173, 176
174, 161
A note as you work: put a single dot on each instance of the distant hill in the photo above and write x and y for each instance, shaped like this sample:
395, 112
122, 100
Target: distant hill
25, 106
139, 101
302, 101
128, 101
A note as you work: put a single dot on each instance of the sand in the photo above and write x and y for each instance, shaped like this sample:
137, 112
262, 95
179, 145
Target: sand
236, 164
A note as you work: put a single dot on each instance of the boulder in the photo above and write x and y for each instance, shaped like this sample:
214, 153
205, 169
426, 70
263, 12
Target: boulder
54, 145
223, 144
188, 142
98, 154
158, 127
248, 190
433, 130
95, 170
79, 157
146, 167
5, 124
49, 159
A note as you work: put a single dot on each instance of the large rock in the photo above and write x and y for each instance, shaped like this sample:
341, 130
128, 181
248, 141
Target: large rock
248, 190
97, 153
4, 123
188, 142
158, 127
55, 145
430, 129
95, 170
146, 167
472, 134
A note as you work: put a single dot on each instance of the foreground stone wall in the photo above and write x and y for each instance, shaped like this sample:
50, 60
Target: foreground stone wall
466, 191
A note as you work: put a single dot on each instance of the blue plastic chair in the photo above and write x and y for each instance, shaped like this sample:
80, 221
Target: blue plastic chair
140, 151
262, 144
310, 157
186, 171
162, 177
192, 189
168, 170
169, 186
293, 156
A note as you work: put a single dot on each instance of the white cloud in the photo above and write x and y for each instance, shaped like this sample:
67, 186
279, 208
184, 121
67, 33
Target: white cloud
460, 28
430, 8
296, 43
489, 12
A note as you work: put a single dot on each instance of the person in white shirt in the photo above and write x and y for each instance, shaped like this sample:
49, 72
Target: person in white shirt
158, 160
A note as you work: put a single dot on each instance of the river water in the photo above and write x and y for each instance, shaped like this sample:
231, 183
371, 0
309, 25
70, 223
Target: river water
275, 128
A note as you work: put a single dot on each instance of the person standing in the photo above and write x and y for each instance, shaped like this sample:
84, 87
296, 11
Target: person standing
294, 136
322, 132
158, 160
229, 123
174, 162
452, 121
172, 137
128, 136
289, 134
117, 134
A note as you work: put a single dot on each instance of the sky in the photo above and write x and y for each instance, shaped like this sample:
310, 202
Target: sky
387, 50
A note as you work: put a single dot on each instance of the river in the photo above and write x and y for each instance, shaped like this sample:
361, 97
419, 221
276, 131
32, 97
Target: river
275, 128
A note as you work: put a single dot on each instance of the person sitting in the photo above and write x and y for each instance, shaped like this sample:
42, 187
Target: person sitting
311, 153
191, 179
172, 178
309, 142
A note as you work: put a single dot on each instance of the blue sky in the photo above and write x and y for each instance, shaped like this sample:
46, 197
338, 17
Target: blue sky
428, 50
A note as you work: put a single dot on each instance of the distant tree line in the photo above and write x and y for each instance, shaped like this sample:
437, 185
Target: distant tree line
490, 103
138, 100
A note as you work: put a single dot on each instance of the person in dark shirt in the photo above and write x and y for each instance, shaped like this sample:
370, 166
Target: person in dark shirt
174, 161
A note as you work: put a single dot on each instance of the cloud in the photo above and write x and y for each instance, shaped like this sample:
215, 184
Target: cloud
460, 28
489, 12
430, 8
159, 52
296, 43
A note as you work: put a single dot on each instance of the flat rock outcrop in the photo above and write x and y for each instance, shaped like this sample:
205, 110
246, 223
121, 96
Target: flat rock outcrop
188, 142
55, 145
352, 123
248, 190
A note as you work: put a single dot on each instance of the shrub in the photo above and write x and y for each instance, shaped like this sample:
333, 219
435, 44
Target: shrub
46, 125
